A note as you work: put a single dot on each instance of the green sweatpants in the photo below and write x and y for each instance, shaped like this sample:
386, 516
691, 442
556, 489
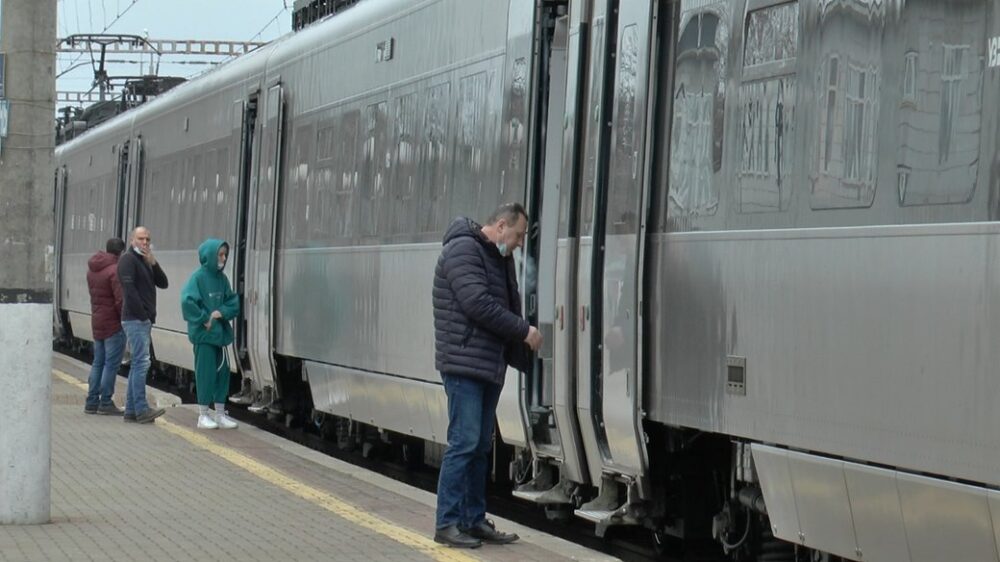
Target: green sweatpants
211, 374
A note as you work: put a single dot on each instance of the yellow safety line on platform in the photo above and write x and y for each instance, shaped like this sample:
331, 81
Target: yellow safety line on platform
313, 495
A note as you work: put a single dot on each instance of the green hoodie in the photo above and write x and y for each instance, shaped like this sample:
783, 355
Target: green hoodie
208, 290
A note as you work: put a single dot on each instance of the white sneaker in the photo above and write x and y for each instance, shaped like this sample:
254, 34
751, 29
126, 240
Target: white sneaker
225, 422
206, 422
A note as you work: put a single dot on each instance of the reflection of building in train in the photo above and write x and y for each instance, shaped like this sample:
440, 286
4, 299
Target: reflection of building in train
767, 105
847, 77
698, 107
941, 57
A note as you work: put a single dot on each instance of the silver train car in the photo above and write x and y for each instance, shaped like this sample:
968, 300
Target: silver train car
764, 250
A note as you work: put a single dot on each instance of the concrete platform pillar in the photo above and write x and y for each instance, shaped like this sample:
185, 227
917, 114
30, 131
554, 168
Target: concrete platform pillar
27, 39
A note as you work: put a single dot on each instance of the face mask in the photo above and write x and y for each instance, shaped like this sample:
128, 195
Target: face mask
502, 248
222, 265
139, 251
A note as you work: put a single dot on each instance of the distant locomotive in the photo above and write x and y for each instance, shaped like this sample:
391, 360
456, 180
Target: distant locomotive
763, 249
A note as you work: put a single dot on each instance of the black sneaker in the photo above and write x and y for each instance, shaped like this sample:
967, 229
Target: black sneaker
149, 415
129, 418
487, 532
455, 538
90, 409
111, 410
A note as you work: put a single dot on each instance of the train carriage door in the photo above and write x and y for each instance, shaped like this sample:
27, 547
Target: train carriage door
244, 125
594, 132
121, 191
261, 249
133, 206
616, 384
549, 395
60, 224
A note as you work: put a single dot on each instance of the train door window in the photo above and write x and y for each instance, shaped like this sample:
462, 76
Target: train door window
404, 170
847, 70
941, 49
372, 183
767, 100
623, 199
593, 131
470, 161
433, 156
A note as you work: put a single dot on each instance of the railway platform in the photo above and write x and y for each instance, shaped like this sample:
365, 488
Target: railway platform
166, 491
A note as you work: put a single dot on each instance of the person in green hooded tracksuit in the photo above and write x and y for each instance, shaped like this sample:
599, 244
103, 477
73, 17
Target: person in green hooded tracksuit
208, 303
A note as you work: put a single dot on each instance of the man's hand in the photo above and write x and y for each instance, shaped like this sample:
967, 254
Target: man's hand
148, 257
534, 339
216, 314
208, 325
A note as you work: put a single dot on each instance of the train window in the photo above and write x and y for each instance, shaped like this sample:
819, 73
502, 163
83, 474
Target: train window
843, 152
404, 158
324, 143
224, 217
373, 170
319, 206
939, 123
470, 163
697, 122
198, 225
433, 157
767, 100
295, 195
345, 176
910, 78
772, 35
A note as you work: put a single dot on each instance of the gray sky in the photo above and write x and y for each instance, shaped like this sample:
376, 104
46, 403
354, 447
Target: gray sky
242, 20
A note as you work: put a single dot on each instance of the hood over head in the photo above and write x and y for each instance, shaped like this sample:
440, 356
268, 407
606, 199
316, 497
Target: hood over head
101, 260
208, 253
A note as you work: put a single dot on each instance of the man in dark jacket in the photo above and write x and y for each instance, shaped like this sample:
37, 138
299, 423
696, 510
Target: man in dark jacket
478, 330
106, 324
140, 275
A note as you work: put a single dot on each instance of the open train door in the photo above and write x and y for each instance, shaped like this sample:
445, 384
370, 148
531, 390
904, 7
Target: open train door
611, 306
129, 187
58, 325
559, 465
244, 135
262, 226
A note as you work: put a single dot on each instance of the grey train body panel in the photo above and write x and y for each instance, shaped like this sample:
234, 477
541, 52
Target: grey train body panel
870, 343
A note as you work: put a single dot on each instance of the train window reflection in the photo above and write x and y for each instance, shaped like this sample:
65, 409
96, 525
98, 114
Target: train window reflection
939, 124
772, 34
698, 121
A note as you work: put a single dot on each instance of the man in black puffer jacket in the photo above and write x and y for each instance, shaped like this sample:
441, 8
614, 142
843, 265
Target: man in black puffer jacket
478, 331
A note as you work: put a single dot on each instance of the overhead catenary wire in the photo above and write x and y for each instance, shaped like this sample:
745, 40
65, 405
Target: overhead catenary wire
106, 27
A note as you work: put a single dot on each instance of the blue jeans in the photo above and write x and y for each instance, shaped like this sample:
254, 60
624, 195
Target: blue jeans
104, 370
472, 413
137, 332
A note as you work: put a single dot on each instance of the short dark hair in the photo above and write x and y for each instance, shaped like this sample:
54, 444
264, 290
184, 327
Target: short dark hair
115, 246
509, 212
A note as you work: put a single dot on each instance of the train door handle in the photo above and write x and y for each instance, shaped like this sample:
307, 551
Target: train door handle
583, 318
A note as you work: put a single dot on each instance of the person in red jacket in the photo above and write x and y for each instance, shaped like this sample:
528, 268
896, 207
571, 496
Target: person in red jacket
106, 322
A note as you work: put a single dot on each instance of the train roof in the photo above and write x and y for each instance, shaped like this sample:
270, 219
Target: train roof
254, 64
